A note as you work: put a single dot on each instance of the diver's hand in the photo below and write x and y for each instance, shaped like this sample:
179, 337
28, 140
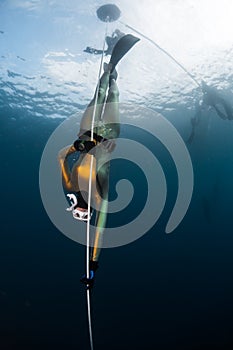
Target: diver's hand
89, 282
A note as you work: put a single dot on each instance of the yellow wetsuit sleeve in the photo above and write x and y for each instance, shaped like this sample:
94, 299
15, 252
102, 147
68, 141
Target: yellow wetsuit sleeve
63, 162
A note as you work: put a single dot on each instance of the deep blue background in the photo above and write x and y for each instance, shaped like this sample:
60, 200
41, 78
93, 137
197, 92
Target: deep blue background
160, 292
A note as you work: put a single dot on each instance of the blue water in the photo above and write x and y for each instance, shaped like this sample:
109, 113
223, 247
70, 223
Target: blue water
160, 292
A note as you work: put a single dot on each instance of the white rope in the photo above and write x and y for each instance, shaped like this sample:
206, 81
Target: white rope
89, 318
164, 51
89, 196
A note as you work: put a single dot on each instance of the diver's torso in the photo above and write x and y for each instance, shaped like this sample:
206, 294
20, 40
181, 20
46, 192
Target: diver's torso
81, 173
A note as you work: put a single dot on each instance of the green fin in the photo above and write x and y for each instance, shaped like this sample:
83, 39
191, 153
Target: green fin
123, 45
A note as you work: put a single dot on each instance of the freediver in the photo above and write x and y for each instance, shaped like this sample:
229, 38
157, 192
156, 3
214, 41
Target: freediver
212, 99
110, 41
106, 130
195, 121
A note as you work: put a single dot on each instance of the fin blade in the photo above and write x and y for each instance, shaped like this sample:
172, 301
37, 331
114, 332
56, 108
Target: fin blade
123, 45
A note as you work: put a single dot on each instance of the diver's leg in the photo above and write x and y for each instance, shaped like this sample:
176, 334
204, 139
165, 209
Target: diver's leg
228, 109
86, 120
195, 121
111, 113
191, 137
220, 113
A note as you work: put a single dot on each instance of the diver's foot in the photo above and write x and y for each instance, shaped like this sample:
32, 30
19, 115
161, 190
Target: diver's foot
107, 67
88, 282
114, 74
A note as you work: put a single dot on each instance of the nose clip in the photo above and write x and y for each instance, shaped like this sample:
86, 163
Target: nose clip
73, 201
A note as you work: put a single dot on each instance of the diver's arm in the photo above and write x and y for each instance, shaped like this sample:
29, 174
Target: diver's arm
100, 226
65, 152
103, 182
99, 233
228, 109
195, 121
220, 113
63, 161
191, 137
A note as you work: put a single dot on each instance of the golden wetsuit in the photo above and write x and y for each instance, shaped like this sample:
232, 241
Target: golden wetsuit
107, 128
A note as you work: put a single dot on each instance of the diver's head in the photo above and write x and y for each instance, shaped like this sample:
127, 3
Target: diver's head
79, 206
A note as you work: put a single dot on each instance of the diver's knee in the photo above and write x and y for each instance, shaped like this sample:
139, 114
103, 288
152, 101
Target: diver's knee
113, 94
